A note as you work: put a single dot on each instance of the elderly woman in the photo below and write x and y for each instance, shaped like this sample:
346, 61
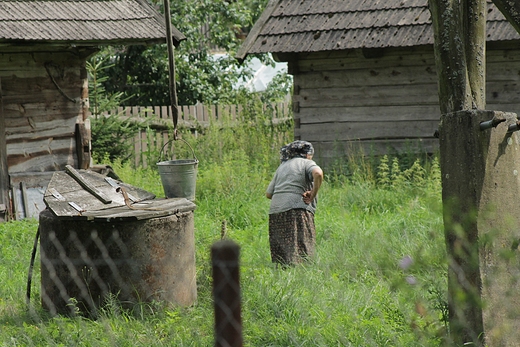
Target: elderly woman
293, 191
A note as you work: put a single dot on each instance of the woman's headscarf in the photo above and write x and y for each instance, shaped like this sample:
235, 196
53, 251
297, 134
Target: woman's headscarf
295, 149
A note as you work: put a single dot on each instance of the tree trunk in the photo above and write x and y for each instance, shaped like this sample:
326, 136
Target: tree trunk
459, 53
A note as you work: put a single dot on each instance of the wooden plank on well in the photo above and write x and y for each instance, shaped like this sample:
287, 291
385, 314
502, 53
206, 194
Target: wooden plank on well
86, 185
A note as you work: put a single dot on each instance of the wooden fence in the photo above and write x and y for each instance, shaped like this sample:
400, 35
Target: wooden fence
160, 120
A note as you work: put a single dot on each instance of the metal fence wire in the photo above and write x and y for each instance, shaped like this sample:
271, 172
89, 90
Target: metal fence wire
88, 265
86, 268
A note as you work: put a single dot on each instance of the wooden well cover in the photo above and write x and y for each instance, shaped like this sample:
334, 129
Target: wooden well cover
85, 194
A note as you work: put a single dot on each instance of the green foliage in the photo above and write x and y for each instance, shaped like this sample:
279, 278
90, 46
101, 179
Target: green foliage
111, 136
112, 139
100, 101
383, 174
228, 193
140, 73
397, 178
416, 176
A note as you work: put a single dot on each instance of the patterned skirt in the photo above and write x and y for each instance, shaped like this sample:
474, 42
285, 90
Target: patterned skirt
292, 236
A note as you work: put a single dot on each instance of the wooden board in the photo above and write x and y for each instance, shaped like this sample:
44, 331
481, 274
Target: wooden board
4, 177
342, 131
368, 76
330, 152
35, 184
396, 95
67, 197
140, 211
311, 115
355, 60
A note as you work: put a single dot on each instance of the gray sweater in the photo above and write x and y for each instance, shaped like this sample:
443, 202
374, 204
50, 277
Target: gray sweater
290, 181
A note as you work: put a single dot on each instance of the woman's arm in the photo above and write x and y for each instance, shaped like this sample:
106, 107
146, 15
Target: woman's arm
317, 176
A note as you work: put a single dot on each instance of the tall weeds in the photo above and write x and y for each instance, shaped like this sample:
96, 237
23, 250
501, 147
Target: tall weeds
378, 278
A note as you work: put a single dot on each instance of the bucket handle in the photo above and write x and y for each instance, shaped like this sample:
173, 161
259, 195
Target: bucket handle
186, 142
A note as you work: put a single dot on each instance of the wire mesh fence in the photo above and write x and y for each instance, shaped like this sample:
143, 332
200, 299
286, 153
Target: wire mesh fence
85, 264
89, 269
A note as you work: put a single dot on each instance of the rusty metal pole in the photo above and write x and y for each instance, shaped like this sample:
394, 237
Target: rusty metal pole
226, 294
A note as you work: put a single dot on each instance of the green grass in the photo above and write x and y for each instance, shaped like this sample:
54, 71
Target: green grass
353, 293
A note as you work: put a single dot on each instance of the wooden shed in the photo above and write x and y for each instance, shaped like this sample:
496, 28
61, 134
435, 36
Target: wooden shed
364, 71
44, 104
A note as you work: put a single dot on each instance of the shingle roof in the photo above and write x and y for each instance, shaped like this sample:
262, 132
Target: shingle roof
82, 21
289, 26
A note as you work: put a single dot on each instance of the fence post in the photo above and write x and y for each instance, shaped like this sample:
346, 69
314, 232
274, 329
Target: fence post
226, 294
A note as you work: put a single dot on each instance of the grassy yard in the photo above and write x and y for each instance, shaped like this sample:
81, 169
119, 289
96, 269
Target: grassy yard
378, 279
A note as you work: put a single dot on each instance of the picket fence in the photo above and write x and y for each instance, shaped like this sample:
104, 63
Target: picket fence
194, 117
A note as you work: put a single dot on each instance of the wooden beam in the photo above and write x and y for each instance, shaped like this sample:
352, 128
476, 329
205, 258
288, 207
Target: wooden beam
4, 173
511, 10
474, 21
87, 185
83, 145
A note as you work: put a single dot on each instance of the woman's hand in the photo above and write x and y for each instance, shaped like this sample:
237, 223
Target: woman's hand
307, 197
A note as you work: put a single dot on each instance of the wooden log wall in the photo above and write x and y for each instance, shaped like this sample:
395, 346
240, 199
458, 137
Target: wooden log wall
44, 94
344, 102
42, 102
503, 80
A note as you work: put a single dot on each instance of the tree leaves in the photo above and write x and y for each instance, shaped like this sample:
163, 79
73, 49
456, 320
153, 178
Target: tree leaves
211, 26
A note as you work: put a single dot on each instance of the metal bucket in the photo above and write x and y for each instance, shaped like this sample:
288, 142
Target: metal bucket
179, 177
